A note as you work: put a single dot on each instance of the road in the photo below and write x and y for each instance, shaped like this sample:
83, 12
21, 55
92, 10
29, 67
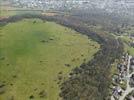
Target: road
128, 89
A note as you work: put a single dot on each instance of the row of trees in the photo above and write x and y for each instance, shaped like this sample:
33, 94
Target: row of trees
91, 80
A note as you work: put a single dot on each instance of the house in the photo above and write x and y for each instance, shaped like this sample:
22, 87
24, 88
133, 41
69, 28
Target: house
132, 61
132, 81
117, 92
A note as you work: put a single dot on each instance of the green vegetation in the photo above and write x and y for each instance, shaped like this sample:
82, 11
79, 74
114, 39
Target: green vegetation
127, 35
91, 81
127, 40
36, 57
4, 9
129, 49
7, 13
4, 13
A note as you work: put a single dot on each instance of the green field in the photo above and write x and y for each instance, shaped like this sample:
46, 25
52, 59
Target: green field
129, 49
127, 41
7, 13
4, 13
36, 56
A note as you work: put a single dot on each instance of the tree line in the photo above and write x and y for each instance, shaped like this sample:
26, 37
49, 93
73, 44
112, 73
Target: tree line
91, 80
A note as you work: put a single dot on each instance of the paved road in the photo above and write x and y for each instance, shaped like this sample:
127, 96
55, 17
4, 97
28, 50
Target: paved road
128, 89
112, 98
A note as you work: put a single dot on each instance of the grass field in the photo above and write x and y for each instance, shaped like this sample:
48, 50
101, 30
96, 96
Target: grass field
36, 56
128, 48
6, 11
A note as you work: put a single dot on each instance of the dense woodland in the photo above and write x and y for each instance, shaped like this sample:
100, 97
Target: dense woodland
91, 80
112, 22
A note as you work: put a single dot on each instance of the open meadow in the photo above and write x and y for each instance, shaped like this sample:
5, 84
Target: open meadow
37, 56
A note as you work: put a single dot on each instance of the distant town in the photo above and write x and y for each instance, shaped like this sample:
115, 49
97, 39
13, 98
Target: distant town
71, 4
49, 4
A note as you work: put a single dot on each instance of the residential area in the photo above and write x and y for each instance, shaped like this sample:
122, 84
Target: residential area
123, 81
49, 4
69, 4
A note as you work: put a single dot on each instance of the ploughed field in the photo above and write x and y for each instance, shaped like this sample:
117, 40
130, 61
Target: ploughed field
37, 56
